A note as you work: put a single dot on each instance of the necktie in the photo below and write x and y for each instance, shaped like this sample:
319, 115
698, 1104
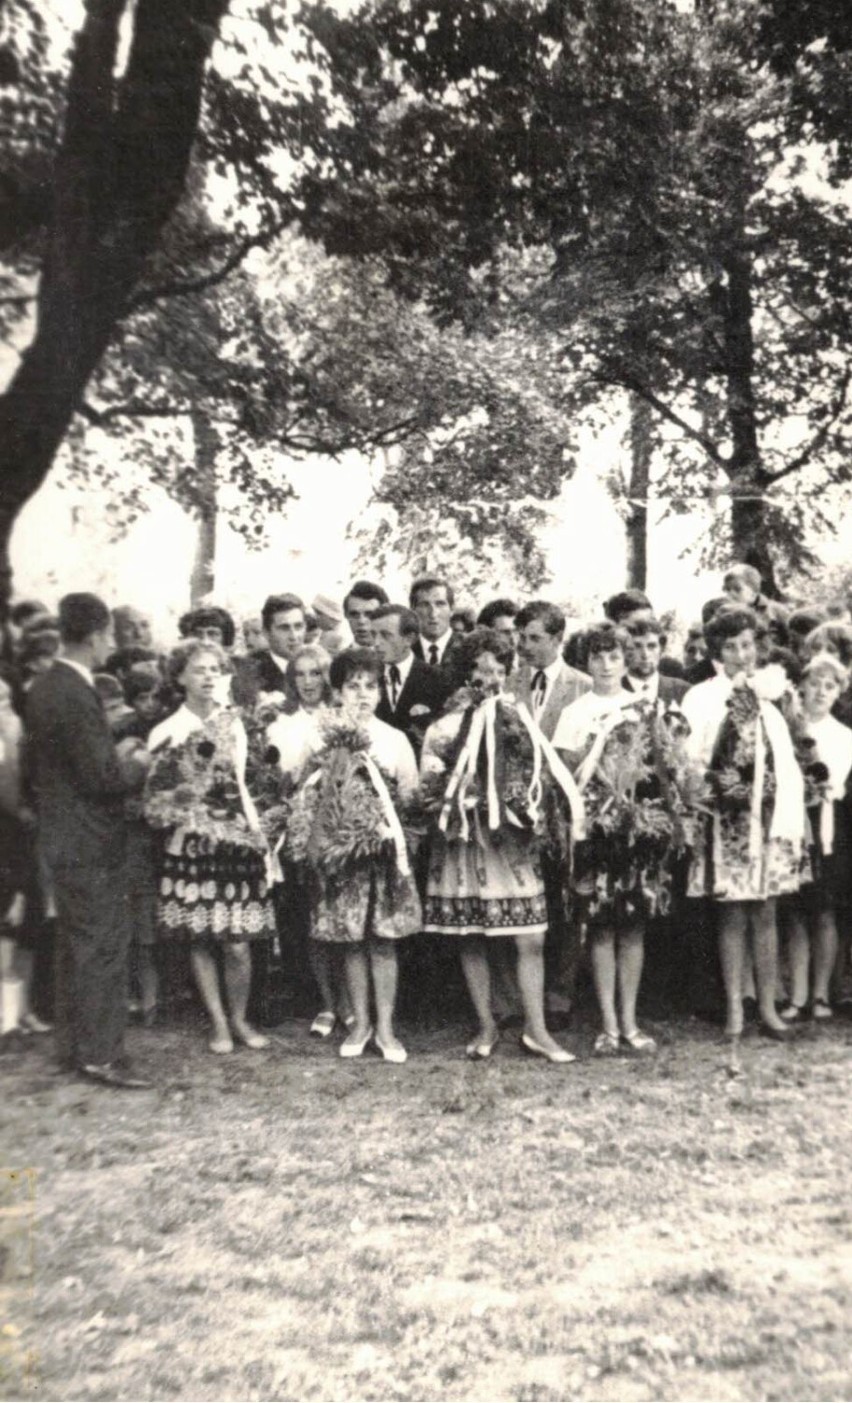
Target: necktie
433, 654
393, 675
538, 689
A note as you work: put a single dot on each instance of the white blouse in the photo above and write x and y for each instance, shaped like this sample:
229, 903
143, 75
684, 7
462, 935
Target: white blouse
582, 719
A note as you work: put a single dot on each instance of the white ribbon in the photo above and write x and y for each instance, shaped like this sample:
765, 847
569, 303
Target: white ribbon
590, 762
391, 816
544, 747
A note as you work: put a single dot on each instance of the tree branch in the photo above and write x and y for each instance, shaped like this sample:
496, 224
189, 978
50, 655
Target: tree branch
134, 410
801, 459
187, 287
625, 381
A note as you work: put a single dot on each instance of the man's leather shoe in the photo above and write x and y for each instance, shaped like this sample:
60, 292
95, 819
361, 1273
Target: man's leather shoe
108, 1074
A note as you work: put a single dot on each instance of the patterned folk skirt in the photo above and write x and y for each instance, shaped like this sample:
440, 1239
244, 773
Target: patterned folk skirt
214, 892
485, 887
371, 900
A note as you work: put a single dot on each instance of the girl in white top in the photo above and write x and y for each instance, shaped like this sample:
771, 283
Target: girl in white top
810, 917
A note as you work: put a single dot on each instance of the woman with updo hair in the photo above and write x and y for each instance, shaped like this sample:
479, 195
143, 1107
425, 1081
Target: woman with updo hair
748, 849
214, 875
482, 773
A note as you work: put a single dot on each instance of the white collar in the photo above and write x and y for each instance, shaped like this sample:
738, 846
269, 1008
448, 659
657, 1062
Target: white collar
645, 686
283, 664
80, 668
439, 643
403, 669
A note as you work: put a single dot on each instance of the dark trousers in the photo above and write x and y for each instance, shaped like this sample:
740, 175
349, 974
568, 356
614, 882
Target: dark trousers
91, 964
562, 946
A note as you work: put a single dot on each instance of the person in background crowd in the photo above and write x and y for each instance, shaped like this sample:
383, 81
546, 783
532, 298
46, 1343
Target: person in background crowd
313, 632
462, 620
359, 606
800, 623
213, 882
296, 736
209, 624
412, 692
500, 614
694, 649
268, 671
332, 623
123, 660
131, 628
111, 695
36, 656
254, 638
628, 607
748, 851
742, 585
810, 915
644, 651
142, 693
80, 786
432, 600
488, 888
836, 639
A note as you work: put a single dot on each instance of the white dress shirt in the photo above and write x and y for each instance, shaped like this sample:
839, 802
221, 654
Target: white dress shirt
403, 668
439, 643
648, 688
538, 698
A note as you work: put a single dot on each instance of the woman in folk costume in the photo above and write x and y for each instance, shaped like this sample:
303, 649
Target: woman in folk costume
214, 864
344, 829
494, 785
748, 846
824, 751
629, 760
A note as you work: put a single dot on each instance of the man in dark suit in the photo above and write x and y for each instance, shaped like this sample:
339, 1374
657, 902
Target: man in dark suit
80, 785
432, 600
647, 643
413, 693
285, 624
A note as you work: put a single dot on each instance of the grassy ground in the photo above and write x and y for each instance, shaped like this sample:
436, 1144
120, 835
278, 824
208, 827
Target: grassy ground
283, 1225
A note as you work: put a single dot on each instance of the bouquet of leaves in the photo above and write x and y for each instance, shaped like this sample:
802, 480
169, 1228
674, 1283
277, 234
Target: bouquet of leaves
270, 789
731, 774
814, 772
336, 819
643, 786
193, 786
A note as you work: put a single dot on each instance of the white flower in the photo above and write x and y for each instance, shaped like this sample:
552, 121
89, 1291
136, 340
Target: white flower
770, 682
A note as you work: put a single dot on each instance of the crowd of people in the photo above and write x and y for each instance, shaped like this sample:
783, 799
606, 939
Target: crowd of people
337, 798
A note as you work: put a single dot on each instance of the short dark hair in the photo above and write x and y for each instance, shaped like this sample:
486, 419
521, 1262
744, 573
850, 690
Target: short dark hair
642, 627
550, 616
409, 626
606, 637
784, 657
139, 684
108, 687
280, 604
25, 609
712, 606
208, 616
627, 601
424, 582
472, 646
725, 624
803, 621
366, 590
123, 659
81, 615
496, 609
350, 662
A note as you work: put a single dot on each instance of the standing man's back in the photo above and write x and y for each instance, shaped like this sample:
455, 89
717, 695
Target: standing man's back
79, 786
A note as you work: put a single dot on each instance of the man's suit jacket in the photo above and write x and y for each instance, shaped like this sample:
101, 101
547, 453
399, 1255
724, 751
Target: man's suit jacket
569, 685
671, 688
425, 690
446, 667
257, 673
78, 780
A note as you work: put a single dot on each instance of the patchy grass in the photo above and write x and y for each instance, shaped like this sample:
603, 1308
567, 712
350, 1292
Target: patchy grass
282, 1225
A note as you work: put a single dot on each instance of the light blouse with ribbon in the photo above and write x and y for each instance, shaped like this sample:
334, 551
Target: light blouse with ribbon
833, 743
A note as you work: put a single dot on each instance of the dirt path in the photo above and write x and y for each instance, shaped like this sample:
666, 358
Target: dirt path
281, 1225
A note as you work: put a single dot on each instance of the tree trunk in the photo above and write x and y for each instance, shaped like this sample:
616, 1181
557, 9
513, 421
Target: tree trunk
203, 578
118, 175
641, 452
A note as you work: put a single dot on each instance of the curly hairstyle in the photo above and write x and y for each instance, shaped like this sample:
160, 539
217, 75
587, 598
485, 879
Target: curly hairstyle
208, 616
830, 638
472, 646
181, 656
352, 661
726, 624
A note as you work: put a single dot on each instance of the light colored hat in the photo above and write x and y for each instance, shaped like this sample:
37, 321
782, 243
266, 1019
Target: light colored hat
328, 607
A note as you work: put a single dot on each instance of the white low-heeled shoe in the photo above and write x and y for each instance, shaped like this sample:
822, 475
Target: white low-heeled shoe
559, 1055
392, 1054
354, 1047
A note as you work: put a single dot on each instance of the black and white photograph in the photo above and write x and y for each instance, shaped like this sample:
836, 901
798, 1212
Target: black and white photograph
425, 700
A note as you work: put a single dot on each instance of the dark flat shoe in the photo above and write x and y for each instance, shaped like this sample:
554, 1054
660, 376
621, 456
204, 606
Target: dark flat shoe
110, 1075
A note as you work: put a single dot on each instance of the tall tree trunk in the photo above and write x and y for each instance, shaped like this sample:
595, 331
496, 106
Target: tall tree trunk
641, 452
119, 173
203, 578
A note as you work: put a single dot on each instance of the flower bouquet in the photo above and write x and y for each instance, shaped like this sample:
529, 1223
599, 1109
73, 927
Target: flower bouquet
344, 811
731, 773
270, 789
193, 786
